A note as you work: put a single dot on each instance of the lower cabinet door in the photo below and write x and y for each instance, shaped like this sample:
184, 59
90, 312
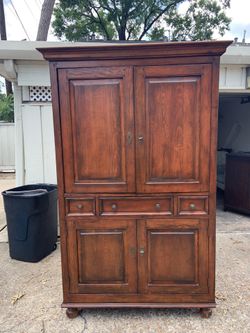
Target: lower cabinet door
102, 256
173, 256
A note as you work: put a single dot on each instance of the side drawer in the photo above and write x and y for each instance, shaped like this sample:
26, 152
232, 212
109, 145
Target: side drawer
80, 206
136, 206
192, 205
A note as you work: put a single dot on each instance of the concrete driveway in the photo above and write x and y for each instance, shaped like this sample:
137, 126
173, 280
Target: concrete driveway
30, 294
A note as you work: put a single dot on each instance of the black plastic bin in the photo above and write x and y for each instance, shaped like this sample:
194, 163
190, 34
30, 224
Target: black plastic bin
31, 213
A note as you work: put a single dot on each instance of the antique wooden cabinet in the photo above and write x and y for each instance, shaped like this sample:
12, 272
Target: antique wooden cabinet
135, 130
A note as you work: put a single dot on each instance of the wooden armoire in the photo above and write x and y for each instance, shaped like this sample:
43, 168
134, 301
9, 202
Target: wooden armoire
135, 131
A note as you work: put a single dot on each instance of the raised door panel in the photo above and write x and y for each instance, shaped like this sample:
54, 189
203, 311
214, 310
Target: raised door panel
173, 256
102, 256
97, 129
173, 107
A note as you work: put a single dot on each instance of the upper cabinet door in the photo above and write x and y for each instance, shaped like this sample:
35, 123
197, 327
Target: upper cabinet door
173, 106
96, 106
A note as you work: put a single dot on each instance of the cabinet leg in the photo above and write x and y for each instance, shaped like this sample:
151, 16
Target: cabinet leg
206, 312
72, 313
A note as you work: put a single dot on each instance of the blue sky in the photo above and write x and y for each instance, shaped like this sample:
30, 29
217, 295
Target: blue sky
29, 13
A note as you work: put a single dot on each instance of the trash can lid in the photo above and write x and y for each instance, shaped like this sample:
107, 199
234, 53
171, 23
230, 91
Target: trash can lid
26, 193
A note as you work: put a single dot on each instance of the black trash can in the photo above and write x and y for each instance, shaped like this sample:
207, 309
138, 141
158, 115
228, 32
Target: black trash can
31, 214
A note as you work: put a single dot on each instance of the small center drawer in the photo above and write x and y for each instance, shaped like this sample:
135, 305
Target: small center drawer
136, 206
81, 206
192, 205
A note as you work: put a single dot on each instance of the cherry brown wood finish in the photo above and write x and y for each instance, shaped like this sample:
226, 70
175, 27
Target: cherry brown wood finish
173, 256
72, 312
135, 130
153, 50
91, 99
136, 206
102, 256
192, 205
80, 207
161, 165
139, 305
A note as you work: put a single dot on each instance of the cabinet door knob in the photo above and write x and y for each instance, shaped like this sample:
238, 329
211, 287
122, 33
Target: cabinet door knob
80, 206
114, 206
142, 251
140, 139
158, 206
192, 206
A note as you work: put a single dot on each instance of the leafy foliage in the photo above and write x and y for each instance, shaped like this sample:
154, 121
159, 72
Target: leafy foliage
200, 21
6, 108
78, 20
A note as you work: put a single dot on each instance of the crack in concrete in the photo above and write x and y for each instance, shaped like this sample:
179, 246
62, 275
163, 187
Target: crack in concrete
3, 227
43, 327
85, 322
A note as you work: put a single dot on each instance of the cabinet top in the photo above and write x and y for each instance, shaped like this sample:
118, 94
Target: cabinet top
135, 50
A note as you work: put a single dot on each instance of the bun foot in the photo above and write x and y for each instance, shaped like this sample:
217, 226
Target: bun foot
72, 313
205, 312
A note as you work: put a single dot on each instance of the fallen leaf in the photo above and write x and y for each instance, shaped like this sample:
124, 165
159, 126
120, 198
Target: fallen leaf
15, 298
220, 297
237, 242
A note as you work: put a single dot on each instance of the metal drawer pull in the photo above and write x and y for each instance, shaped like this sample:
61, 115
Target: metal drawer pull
141, 251
80, 206
158, 206
192, 206
114, 207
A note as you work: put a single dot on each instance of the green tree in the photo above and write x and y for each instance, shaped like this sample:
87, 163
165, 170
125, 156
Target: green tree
77, 20
200, 21
6, 108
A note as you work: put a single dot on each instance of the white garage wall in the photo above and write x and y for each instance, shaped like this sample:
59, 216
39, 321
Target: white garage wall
232, 77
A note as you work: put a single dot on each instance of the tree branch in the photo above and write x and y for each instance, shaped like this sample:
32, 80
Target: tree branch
135, 10
163, 11
100, 21
113, 12
129, 31
116, 10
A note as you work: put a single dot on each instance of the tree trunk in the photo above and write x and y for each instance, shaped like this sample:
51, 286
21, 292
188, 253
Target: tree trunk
122, 33
8, 84
2, 22
45, 18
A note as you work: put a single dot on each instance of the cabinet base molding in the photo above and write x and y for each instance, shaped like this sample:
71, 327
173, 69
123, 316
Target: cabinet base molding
138, 305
